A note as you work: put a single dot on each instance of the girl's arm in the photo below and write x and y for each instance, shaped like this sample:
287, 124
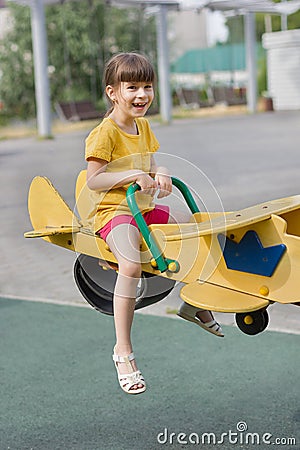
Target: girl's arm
162, 177
100, 180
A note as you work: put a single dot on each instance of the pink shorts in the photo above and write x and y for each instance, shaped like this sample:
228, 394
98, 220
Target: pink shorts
160, 214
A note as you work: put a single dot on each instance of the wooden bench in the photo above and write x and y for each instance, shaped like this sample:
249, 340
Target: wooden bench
191, 98
229, 95
77, 110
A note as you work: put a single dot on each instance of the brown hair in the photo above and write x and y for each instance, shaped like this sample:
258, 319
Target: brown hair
127, 67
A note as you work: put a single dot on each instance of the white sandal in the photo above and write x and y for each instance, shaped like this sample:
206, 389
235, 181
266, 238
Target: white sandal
130, 379
188, 312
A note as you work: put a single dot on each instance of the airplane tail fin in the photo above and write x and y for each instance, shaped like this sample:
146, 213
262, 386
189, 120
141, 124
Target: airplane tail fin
49, 213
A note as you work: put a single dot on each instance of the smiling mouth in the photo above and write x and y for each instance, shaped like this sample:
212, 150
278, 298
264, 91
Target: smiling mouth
139, 105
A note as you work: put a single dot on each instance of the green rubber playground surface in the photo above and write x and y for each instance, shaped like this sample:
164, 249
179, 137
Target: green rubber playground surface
59, 388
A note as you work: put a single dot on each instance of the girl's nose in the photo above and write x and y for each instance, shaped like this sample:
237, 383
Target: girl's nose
141, 93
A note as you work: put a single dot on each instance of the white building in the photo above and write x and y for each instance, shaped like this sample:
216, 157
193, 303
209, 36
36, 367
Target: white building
187, 31
283, 68
190, 30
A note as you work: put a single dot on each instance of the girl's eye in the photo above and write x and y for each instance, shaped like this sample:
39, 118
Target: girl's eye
133, 87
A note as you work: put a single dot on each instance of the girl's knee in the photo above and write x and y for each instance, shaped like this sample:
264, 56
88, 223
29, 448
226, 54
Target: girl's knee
131, 270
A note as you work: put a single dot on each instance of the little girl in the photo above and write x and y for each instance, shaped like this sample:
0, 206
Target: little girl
120, 151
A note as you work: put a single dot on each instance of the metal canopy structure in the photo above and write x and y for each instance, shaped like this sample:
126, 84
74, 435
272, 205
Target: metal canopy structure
159, 7
262, 6
241, 6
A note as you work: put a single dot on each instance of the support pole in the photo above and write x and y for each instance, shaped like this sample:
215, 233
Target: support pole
163, 64
268, 23
250, 40
284, 24
40, 57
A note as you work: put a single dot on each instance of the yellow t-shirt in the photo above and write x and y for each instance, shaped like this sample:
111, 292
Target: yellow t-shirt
123, 152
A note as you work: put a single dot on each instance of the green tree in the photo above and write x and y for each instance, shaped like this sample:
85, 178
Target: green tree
236, 26
16, 69
236, 29
81, 36
75, 41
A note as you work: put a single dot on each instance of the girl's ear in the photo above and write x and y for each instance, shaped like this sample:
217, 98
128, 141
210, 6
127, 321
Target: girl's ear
110, 92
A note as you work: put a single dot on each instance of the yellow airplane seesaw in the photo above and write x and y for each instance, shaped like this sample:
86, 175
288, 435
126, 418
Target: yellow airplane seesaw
238, 262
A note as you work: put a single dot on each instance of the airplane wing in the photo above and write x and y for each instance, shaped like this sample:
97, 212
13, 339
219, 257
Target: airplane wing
230, 221
51, 231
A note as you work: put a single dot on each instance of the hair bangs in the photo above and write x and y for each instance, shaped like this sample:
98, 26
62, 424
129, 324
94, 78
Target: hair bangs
135, 68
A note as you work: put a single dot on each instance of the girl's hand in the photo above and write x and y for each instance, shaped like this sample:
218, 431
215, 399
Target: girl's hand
147, 184
164, 182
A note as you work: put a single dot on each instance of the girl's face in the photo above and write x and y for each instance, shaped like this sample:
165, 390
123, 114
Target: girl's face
131, 99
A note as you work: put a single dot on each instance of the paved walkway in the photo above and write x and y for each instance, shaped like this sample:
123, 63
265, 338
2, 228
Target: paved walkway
233, 161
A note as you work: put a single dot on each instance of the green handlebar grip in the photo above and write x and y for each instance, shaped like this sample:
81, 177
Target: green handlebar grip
186, 194
143, 227
161, 262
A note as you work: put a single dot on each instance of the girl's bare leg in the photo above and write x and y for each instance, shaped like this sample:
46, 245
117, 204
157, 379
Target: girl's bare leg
124, 242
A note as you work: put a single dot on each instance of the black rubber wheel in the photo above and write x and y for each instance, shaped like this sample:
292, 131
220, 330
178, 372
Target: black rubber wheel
97, 285
252, 322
